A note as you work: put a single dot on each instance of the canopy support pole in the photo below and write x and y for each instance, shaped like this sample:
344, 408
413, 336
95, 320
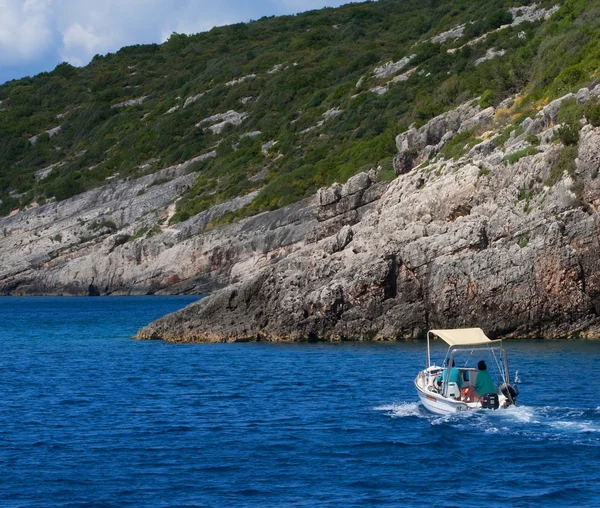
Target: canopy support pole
428, 352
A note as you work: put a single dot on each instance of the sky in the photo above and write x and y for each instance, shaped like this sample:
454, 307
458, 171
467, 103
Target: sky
37, 35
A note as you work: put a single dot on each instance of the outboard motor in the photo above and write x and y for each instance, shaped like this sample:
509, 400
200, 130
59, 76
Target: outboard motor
510, 392
490, 401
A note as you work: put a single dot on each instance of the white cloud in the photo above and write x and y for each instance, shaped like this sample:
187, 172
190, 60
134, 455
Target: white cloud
42, 33
35, 5
25, 31
190, 26
80, 44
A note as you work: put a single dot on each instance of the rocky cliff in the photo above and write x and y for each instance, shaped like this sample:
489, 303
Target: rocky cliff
498, 236
117, 239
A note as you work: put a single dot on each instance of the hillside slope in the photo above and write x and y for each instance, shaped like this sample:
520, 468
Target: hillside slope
361, 172
281, 105
504, 235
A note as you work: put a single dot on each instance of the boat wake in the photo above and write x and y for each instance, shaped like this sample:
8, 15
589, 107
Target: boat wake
403, 409
546, 422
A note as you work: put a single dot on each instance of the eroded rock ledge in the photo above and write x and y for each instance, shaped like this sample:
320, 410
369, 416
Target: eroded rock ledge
480, 241
117, 239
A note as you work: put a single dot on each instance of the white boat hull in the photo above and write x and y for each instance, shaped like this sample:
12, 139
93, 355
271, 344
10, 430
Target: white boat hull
441, 405
435, 403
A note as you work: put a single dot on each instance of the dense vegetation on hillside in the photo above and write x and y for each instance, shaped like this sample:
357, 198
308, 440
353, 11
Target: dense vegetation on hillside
308, 99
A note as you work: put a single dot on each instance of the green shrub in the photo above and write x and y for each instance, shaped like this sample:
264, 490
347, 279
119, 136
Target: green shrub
524, 241
568, 135
487, 99
533, 140
526, 152
459, 145
179, 217
502, 138
570, 112
524, 194
7, 205
65, 187
592, 113
565, 163
155, 230
139, 233
104, 223
387, 173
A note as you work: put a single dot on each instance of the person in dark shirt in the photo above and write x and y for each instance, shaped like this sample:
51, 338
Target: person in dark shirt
484, 384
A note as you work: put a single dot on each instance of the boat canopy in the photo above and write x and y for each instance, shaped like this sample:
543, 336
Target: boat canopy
464, 337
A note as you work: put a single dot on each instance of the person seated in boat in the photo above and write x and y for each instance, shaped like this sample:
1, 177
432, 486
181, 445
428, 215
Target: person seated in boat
484, 384
453, 377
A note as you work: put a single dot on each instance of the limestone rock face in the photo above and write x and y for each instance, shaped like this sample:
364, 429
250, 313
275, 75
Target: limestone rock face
474, 242
417, 145
117, 239
507, 245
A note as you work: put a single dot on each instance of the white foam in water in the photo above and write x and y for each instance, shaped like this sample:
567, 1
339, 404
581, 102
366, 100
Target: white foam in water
521, 414
402, 409
492, 430
575, 413
553, 422
586, 427
439, 420
546, 422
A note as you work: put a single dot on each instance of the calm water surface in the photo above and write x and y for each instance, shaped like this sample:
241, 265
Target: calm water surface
91, 418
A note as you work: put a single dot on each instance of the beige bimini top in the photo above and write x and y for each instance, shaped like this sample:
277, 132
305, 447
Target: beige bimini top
464, 337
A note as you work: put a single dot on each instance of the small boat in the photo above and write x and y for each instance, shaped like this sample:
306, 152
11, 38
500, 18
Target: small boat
453, 393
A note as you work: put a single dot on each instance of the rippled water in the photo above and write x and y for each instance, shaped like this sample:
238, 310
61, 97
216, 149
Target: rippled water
92, 418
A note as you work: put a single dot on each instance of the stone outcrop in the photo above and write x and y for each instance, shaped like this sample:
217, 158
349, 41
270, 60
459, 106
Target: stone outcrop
222, 120
505, 244
478, 241
240, 80
390, 68
192, 99
530, 13
51, 133
489, 55
130, 102
417, 145
454, 33
117, 239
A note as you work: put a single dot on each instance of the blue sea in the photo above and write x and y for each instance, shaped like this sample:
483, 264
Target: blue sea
91, 418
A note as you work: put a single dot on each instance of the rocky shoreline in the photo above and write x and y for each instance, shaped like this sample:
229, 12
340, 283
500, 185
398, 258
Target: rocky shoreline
479, 241
116, 240
486, 239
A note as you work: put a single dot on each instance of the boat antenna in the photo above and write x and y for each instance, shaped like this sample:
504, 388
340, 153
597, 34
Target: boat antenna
497, 365
468, 358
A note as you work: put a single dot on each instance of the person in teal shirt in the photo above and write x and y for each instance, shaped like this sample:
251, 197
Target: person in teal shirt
454, 376
484, 383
